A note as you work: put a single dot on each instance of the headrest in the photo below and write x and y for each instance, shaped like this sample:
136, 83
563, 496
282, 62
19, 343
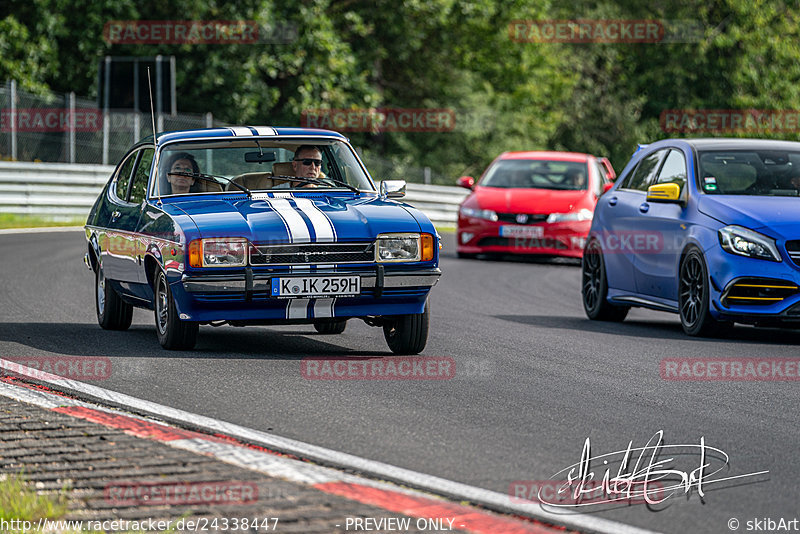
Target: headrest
283, 168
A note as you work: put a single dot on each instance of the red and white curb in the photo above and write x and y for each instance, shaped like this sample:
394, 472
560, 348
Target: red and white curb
264, 452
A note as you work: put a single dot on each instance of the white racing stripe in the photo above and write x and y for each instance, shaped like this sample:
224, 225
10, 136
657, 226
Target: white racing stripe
324, 308
241, 131
265, 130
323, 226
297, 309
298, 230
380, 470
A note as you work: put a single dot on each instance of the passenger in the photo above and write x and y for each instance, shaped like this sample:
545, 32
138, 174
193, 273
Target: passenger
575, 179
181, 162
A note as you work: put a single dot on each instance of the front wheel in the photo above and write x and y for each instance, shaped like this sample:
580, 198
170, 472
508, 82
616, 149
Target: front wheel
693, 297
330, 327
407, 334
173, 334
113, 313
594, 287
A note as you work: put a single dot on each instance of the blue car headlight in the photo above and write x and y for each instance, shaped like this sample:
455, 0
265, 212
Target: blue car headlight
745, 242
489, 215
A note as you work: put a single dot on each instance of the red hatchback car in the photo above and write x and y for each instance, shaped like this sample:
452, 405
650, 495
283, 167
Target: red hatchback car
532, 203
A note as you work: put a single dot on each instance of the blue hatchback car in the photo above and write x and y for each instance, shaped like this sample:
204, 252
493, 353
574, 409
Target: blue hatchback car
706, 228
255, 226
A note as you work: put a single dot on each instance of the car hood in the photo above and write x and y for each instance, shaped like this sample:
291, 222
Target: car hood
778, 217
298, 219
504, 200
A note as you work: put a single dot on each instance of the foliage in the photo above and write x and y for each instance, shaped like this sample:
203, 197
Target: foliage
602, 98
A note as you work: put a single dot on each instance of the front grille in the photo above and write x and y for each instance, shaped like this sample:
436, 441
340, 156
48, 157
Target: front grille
758, 292
529, 218
312, 254
793, 248
523, 243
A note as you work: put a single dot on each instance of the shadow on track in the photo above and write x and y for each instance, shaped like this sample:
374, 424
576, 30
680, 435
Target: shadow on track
657, 329
82, 339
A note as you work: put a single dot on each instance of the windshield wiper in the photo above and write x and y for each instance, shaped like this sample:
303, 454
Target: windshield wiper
317, 181
212, 178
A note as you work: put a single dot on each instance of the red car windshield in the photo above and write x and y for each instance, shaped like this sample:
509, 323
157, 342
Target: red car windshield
537, 174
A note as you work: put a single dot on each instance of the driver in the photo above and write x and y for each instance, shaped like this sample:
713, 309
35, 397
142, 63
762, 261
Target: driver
307, 163
181, 162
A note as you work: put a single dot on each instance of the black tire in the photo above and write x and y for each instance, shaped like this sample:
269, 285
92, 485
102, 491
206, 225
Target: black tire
466, 255
594, 287
173, 333
330, 327
407, 334
113, 313
693, 297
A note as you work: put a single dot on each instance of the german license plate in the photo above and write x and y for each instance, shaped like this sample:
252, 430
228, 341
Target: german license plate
316, 286
521, 231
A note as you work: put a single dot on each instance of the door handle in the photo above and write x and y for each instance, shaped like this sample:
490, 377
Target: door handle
644, 208
115, 216
612, 201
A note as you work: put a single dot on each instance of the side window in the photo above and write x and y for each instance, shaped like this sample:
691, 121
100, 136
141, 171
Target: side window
674, 170
141, 175
124, 177
639, 179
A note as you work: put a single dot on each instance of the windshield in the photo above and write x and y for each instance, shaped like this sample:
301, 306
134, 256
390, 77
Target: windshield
200, 167
537, 174
747, 172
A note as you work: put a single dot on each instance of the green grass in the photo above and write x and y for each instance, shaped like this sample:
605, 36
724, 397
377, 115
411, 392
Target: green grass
12, 220
19, 501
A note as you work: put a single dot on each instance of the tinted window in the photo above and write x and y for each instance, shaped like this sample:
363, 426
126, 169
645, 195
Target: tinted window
640, 178
674, 170
140, 176
124, 177
536, 174
748, 172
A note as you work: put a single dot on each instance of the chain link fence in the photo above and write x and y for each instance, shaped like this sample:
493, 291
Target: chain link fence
61, 127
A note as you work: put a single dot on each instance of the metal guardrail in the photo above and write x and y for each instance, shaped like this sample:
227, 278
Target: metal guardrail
69, 190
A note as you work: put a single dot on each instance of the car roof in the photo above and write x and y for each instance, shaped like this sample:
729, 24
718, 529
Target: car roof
726, 143
245, 131
543, 154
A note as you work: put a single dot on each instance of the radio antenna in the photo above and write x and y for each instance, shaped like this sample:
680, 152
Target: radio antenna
153, 123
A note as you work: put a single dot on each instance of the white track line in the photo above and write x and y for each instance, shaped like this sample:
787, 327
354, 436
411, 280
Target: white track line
42, 230
440, 486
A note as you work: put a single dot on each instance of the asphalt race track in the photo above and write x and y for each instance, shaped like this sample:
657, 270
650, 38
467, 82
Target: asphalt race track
534, 378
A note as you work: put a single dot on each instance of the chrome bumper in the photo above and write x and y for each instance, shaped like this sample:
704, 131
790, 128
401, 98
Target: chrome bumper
250, 282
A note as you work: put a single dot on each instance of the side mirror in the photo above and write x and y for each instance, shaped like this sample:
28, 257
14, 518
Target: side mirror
664, 193
393, 188
607, 187
466, 181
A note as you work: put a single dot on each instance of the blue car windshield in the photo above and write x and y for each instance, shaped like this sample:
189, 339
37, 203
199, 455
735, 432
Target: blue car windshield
536, 174
212, 166
750, 172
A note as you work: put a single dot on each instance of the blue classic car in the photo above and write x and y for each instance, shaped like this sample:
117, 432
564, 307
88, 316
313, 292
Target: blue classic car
705, 228
259, 226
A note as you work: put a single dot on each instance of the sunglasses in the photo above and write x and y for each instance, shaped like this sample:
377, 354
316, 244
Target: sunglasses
309, 161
